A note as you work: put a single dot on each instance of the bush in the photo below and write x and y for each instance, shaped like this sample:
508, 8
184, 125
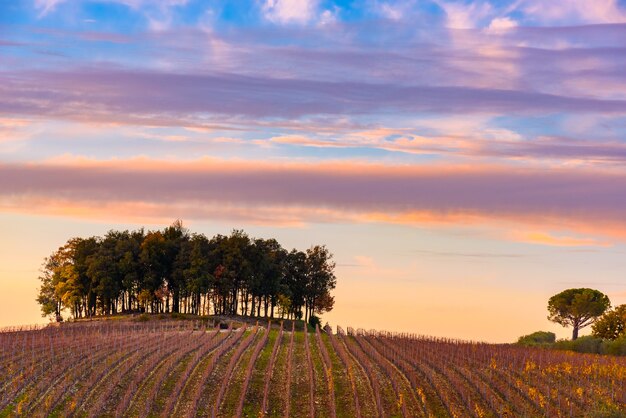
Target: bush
586, 344
537, 338
143, 317
314, 320
616, 347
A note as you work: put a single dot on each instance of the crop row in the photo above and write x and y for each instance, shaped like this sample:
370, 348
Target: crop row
166, 368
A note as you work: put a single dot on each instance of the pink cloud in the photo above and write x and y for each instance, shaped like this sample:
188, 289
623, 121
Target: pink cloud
546, 238
587, 203
116, 94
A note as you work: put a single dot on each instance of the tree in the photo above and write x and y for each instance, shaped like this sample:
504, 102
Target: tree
577, 308
176, 238
295, 281
59, 281
324, 303
270, 262
320, 277
284, 305
153, 257
105, 273
47, 297
197, 273
612, 324
130, 266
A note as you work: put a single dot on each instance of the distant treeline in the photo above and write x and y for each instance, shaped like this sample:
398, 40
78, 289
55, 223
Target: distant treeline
174, 270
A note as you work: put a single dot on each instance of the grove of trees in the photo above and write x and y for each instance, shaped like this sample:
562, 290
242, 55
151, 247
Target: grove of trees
177, 271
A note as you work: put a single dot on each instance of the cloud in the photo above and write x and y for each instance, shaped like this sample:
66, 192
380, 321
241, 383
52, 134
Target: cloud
46, 6
568, 12
390, 12
16, 130
546, 238
502, 24
120, 93
470, 255
329, 17
479, 142
289, 11
586, 203
465, 16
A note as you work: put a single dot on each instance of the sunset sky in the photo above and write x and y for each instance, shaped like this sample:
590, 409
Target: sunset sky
464, 161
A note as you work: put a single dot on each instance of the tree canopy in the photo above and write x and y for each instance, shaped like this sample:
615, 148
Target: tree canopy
611, 325
577, 308
174, 270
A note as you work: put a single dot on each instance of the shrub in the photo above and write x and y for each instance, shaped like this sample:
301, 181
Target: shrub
143, 317
537, 338
586, 344
616, 347
314, 320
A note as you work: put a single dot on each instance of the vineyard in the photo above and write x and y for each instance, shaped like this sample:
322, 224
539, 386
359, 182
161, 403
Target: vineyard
188, 368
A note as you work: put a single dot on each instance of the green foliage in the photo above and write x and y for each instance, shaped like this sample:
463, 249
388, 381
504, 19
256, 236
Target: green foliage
577, 308
537, 338
314, 320
612, 324
616, 347
173, 270
586, 344
143, 317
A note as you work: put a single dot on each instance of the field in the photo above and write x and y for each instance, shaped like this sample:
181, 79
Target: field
186, 368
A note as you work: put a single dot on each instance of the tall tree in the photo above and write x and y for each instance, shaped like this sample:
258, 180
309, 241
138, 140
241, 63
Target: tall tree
47, 298
320, 276
295, 281
61, 287
269, 269
105, 271
197, 270
577, 308
176, 237
236, 262
129, 248
153, 257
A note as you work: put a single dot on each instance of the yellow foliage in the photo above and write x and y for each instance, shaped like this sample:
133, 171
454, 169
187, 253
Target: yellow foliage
542, 400
493, 364
479, 411
579, 392
420, 393
530, 365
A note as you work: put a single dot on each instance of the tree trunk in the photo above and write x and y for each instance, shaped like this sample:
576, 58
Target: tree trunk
575, 332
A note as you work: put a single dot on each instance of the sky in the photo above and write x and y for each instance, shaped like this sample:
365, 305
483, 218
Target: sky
462, 160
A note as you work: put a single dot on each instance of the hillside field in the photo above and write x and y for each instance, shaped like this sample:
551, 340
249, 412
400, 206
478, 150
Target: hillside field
189, 368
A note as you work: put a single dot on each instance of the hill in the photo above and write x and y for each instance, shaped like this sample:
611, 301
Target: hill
188, 368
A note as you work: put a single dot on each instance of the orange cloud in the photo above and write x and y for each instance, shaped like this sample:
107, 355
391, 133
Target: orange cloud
546, 238
569, 207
